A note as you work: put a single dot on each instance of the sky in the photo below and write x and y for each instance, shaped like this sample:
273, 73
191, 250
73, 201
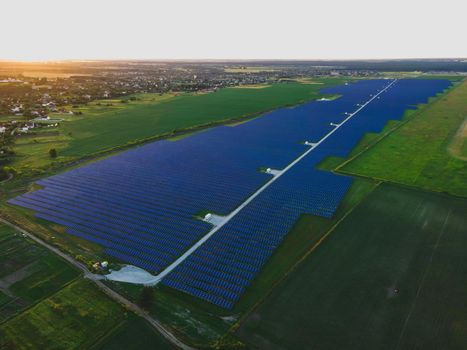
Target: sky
239, 29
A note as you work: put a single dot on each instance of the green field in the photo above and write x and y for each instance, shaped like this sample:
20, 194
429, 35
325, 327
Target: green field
73, 318
391, 276
28, 272
418, 153
135, 334
108, 124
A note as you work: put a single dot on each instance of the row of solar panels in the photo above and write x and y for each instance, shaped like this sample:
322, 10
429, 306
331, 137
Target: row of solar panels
140, 204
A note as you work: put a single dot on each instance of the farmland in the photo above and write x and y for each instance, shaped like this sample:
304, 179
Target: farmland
391, 275
82, 311
43, 302
28, 273
134, 334
419, 153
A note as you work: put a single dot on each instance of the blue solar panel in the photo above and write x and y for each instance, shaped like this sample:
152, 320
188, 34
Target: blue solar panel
141, 204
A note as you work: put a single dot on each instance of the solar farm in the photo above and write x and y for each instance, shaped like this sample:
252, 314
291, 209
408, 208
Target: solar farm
143, 205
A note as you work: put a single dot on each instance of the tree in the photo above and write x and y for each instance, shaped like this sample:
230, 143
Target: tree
53, 153
146, 298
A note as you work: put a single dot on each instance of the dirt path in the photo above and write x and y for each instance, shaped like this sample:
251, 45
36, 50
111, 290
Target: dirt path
167, 334
455, 147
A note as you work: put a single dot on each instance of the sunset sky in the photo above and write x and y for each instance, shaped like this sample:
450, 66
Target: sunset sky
219, 29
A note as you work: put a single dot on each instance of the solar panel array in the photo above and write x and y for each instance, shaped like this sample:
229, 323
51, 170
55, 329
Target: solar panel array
141, 204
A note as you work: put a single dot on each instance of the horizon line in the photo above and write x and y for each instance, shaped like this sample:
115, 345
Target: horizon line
7, 60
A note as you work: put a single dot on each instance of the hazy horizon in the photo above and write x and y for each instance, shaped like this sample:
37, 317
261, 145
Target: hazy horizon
238, 60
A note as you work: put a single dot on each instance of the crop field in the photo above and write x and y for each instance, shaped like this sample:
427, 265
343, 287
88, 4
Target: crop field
428, 151
222, 268
391, 275
134, 334
73, 318
28, 272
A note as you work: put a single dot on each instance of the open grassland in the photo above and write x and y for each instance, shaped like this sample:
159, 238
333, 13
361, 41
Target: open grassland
418, 152
452, 77
109, 124
28, 273
391, 276
203, 324
33, 150
134, 334
73, 318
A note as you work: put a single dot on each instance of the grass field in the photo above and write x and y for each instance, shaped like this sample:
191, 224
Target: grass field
391, 276
108, 124
73, 318
28, 272
418, 152
134, 334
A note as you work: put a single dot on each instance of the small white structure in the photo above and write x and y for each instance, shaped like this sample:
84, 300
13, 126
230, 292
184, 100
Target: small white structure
308, 143
334, 124
2, 129
105, 264
272, 171
213, 219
